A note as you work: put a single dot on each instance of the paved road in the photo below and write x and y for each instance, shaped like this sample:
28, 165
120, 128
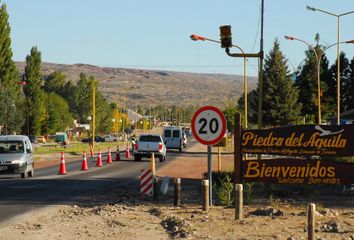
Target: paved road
47, 188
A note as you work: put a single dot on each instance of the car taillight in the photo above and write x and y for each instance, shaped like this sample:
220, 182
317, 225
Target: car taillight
160, 147
136, 146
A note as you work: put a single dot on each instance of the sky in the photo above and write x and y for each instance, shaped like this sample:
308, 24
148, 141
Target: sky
155, 34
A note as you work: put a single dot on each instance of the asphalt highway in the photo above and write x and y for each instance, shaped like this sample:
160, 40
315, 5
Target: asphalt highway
19, 196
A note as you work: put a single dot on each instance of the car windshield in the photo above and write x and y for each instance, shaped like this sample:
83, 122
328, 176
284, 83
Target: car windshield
150, 138
11, 147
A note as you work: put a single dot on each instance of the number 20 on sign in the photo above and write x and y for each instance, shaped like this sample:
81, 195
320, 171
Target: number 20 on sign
208, 125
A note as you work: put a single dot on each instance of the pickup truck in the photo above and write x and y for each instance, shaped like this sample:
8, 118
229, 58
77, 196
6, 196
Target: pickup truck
148, 144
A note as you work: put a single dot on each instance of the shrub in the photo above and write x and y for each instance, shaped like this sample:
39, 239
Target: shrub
225, 191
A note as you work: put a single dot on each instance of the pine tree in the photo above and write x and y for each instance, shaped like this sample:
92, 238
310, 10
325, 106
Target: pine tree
306, 83
10, 92
280, 100
34, 93
350, 87
345, 72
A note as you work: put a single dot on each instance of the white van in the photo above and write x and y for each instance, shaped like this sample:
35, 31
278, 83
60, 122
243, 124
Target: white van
173, 137
16, 155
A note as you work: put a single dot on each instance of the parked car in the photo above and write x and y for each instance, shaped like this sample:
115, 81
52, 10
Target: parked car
148, 144
173, 137
109, 138
89, 139
16, 155
112, 137
62, 137
41, 139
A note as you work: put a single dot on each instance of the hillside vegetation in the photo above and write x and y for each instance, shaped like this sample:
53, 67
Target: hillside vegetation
147, 87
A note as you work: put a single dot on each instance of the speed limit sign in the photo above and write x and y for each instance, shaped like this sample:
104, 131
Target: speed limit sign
208, 125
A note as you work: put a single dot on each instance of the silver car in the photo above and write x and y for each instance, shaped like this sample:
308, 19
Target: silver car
16, 155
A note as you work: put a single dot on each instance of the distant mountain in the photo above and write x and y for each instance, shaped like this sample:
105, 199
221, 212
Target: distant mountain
147, 87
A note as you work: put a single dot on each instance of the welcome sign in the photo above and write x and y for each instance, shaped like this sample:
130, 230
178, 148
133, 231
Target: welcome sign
300, 140
297, 171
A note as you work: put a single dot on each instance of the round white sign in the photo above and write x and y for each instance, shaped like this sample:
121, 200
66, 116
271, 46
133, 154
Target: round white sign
208, 125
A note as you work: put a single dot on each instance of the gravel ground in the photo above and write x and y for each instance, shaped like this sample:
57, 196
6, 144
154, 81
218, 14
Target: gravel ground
126, 215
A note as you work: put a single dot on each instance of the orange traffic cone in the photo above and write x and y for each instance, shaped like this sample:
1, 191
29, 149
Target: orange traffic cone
127, 153
117, 154
91, 151
84, 165
109, 156
99, 159
62, 168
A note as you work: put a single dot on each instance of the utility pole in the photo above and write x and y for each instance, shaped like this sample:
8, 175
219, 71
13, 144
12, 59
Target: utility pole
260, 76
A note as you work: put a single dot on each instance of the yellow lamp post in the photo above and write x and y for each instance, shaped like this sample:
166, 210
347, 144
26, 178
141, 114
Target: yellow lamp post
318, 74
338, 53
93, 112
318, 58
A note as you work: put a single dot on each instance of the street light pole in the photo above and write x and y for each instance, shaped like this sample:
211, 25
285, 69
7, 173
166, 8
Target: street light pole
93, 112
338, 53
318, 57
318, 74
116, 121
260, 75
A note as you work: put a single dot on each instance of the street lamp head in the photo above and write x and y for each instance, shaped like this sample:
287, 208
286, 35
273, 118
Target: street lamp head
310, 8
196, 37
289, 38
350, 41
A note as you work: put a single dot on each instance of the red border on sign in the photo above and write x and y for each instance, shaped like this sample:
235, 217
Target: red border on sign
223, 130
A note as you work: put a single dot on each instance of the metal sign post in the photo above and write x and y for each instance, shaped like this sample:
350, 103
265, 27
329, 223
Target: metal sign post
210, 176
209, 128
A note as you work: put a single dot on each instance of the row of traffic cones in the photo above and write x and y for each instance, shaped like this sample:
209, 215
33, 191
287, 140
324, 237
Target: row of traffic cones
127, 153
84, 165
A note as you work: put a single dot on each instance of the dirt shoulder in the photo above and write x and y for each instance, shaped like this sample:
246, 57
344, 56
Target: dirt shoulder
124, 214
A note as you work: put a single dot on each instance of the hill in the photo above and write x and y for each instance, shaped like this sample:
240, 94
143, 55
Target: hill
148, 87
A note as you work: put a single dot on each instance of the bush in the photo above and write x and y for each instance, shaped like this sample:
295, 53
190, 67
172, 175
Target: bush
225, 191
248, 192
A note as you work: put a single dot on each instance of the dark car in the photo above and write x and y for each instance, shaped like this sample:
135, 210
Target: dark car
97, 139
33, 139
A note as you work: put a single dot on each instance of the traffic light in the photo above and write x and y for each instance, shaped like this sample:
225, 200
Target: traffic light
225, 36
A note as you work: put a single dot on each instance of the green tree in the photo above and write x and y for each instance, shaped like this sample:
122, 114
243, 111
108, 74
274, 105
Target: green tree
80, 98
252, 107
34, 93
308, 86
350, 87
345, 75
280, 106
104, 113
55, 82
229, 113
11, 115
58, 118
